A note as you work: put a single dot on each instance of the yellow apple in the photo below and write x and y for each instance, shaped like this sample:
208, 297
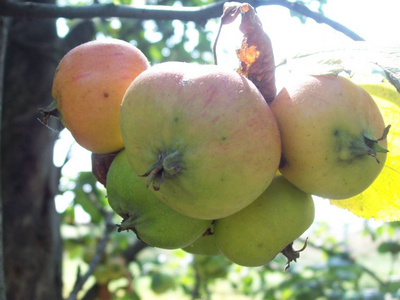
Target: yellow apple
333, 135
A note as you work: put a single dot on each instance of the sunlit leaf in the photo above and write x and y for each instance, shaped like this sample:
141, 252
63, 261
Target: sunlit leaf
353, 58
381, 200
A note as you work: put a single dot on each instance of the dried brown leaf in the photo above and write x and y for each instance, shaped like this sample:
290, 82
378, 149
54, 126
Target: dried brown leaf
256, 55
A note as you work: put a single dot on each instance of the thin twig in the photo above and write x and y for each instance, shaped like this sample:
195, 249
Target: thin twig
331, 252
392, 269
158, 12
109, 227
198, 14
196, 289
301, 9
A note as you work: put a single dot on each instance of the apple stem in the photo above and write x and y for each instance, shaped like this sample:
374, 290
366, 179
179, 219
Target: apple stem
168, 164
49, 111
291, 254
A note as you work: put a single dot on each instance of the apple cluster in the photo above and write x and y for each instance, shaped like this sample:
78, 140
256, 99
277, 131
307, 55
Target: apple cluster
193, 157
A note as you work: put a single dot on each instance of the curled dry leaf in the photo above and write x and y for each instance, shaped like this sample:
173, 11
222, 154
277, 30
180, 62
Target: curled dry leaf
255, 55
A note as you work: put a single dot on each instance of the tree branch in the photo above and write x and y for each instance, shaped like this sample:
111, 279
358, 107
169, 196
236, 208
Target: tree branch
300, 8
198, 14
158, 12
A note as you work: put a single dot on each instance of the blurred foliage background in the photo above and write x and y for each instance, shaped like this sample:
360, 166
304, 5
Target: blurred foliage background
337, 264
358, 267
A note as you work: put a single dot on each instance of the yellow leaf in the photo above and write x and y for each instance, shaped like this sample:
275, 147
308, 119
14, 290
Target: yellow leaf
381, 200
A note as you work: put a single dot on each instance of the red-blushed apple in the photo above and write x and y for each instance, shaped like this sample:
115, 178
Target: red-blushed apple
88, 86
203, 136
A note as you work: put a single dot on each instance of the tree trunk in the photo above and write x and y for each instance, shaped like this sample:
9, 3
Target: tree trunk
32, 242
4, 22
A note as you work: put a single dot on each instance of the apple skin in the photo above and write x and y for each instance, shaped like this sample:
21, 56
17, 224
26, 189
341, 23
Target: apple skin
323, 120
88, 86
216, 128
154, 222
204, 245
255, 235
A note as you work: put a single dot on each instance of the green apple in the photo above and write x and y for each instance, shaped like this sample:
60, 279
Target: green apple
204, 245
333, 136
203, 136
154, 222
256, 234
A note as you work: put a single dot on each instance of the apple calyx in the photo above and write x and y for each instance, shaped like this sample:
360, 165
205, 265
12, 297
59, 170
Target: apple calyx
168, 164
372, 143
291, 254
208, 232
128, 223
367, 144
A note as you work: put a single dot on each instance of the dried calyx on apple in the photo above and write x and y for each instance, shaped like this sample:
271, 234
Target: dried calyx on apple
372, 143
169, 164
291, 254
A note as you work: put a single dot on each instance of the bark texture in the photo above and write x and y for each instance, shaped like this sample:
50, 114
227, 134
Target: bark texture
32, 242
31, 225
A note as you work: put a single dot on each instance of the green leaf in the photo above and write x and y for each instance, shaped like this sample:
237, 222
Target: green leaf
88, 206
390, 246
89, 196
